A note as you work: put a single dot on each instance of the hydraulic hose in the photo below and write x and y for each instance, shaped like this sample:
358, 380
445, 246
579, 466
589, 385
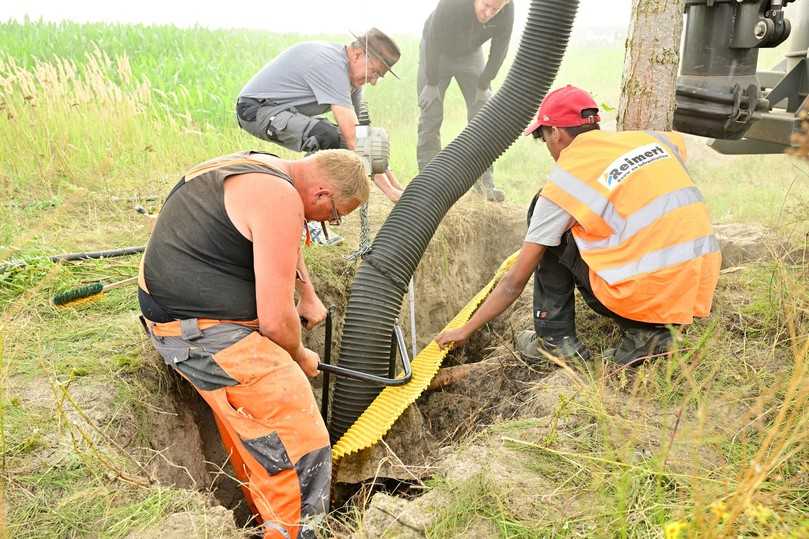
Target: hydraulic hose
381, 282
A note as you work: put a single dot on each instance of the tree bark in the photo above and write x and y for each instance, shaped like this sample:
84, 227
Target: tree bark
650, 65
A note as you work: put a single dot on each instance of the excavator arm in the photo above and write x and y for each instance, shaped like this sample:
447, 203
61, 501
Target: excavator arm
720, 92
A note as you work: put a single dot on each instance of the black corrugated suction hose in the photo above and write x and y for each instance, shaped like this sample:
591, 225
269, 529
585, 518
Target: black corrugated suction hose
377, 291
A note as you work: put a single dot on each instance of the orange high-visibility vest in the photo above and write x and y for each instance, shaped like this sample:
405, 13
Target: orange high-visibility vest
641, 224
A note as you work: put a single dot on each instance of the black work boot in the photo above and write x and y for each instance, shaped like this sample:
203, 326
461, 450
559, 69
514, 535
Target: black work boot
639, 344
529, 345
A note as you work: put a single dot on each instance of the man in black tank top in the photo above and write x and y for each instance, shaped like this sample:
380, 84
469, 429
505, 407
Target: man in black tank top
217, 289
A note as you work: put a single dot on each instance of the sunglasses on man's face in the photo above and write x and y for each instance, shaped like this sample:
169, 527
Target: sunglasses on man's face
335, 218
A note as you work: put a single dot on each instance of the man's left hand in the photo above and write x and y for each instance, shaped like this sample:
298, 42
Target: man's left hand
312, 311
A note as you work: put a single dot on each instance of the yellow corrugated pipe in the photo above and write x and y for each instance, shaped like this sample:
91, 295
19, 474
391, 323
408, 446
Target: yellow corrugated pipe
379, 417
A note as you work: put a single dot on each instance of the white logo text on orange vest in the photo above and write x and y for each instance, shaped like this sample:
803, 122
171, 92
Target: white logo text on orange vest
631, 161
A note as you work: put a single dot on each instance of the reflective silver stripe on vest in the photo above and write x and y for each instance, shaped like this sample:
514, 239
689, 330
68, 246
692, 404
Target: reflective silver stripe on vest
664, 258
595, 201
663, 139
644, 217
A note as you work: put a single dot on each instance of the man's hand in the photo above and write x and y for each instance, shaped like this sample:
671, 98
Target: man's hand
482, 96
383, 181
456, 337
429, 94
312, 311
308, 360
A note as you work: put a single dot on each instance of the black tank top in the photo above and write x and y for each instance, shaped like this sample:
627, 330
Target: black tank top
197, 264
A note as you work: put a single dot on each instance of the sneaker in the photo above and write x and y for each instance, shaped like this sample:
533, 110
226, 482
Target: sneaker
529, 344
639, 344
493, 194
319, 238
489, 192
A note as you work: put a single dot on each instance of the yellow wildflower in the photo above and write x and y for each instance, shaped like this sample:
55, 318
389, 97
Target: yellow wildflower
760, 513
719, 509
673, 529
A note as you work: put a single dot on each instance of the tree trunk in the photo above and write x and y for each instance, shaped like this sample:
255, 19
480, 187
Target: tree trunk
650, 65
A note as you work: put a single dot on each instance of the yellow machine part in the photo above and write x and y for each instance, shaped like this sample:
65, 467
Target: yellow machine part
379, 417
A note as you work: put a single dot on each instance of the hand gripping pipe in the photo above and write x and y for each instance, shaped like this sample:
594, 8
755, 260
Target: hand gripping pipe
381, 281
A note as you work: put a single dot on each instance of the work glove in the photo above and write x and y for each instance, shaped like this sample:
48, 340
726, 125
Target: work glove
429, 94
482, 96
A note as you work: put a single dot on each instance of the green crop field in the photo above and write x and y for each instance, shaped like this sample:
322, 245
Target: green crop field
93, 114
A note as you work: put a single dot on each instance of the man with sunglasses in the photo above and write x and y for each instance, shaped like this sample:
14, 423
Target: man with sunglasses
283, 102
620, 219
217, 290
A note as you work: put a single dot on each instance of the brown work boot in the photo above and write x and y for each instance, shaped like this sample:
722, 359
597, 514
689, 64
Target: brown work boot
529, 345
640, 344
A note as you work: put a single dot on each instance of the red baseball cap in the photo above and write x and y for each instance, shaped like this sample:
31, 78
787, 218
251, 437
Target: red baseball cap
563, 108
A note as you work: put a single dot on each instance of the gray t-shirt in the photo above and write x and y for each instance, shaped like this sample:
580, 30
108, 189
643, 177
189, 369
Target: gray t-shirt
548, 223
310, 76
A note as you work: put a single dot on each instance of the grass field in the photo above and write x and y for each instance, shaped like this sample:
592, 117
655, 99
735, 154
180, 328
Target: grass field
92, 114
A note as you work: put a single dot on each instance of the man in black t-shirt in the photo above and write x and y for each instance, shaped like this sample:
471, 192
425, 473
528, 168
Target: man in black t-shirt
452, 47
217, 289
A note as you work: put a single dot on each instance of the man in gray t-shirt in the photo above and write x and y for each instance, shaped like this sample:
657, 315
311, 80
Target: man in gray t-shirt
281, 103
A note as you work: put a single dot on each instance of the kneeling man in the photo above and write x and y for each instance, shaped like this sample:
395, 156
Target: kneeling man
621, 220
217, 292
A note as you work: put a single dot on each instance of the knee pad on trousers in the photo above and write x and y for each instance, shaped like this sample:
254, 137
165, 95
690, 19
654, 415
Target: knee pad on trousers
322, 136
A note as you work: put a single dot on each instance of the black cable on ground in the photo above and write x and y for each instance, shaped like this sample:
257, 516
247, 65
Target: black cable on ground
112, 253
381, 281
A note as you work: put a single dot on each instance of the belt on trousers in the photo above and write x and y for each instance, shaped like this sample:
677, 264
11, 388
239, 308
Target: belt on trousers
190, 328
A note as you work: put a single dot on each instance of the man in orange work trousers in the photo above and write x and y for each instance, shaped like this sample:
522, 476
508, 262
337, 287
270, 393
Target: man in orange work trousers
217, 292
620, 219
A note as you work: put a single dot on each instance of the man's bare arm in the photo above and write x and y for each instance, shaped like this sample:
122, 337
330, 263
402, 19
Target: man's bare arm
504, 294
273, 213
383, 182
310, 309
346, 119
392, 179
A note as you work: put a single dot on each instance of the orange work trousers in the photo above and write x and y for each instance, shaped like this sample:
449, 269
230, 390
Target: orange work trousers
266, 415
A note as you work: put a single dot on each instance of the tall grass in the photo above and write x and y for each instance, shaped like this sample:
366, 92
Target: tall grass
195, 75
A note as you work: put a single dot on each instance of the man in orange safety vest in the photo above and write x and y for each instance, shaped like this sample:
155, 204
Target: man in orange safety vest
621, 220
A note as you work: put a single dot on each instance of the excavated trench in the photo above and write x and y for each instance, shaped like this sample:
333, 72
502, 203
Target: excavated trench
447, 269
466, 250
471, 242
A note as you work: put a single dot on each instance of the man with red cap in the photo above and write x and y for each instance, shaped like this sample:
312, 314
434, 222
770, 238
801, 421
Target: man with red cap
621, 220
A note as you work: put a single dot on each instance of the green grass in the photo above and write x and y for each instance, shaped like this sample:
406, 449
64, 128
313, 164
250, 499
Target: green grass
71, 507
475, 500
93, 112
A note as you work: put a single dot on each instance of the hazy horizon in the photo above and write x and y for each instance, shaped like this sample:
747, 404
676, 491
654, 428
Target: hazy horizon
324, 16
